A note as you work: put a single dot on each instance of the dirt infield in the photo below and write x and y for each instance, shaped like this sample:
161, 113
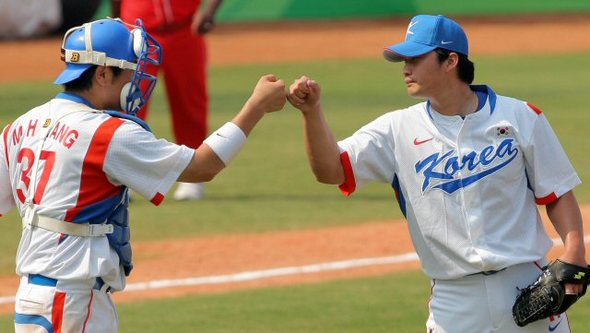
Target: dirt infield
291, 42
225, 255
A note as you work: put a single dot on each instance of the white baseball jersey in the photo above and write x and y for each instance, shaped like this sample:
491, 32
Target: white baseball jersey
82, 164
468, 187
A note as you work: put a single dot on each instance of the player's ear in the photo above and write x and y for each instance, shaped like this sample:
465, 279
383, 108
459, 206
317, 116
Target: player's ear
452, 61
101, 75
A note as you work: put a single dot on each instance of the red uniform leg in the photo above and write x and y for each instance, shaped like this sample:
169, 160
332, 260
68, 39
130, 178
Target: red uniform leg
184, 63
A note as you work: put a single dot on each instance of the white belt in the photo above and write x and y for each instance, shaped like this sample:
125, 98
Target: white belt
69, 228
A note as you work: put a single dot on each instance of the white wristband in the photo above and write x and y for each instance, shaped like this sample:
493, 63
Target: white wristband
226, 142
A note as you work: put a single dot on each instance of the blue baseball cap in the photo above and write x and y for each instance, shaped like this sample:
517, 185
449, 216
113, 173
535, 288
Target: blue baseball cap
426, 33
102, 42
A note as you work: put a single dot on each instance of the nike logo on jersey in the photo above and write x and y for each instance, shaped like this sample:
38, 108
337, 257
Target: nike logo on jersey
554, 327
419, 142
439, 171
554, 319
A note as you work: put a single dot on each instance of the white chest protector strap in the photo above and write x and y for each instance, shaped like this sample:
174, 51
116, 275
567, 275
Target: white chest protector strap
68, 228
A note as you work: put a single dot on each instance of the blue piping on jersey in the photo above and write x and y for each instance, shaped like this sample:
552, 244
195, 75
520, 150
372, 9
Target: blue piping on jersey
135, 119
99, 211
479, 90
29, 319
399, 196
79, 99
528, 182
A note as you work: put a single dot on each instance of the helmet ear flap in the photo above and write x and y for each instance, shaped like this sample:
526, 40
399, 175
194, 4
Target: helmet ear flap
138, 42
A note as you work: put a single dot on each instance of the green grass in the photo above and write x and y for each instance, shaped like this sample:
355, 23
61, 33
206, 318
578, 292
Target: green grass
359, 305
269, 187
391, 303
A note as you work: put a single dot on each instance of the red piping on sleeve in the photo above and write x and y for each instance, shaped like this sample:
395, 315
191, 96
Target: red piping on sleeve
157, 199
349, 184
546, 200
535, 108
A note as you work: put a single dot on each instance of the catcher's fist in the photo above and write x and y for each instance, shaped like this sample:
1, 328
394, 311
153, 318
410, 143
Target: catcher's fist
269, 94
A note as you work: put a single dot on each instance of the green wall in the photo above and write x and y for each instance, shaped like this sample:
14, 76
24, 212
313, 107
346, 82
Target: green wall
269, 10
280, 10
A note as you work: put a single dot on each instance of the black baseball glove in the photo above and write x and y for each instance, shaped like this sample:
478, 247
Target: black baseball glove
547, 297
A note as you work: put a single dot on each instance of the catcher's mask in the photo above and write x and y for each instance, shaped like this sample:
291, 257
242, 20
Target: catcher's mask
112, 42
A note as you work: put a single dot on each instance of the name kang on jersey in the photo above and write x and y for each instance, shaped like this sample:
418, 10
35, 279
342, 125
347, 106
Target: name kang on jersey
61, 133
440, 171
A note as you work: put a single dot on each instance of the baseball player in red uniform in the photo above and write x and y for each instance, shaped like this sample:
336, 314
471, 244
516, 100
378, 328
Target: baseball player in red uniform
67, 165
468, 167
179, 26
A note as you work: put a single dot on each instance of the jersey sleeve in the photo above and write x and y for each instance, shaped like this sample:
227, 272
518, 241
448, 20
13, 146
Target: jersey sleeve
147, 165
368, 155
549, 171
6, 198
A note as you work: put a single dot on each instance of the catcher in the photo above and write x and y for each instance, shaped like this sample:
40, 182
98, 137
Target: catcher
67, 166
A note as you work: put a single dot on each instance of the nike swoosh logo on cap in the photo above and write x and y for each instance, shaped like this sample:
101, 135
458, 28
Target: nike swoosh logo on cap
444, 42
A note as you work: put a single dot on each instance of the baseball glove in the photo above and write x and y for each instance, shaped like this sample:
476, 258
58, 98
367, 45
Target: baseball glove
547, 296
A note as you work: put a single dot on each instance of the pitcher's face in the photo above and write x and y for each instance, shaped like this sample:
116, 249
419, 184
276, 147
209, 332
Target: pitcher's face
424, 75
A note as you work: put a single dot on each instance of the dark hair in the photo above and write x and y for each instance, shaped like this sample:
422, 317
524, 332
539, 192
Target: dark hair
466, 67
84, 81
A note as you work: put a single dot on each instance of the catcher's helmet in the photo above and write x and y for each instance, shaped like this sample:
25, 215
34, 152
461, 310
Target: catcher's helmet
111, 42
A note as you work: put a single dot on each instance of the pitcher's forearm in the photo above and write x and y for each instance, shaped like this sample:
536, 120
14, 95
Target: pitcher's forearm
566, 217
322, 150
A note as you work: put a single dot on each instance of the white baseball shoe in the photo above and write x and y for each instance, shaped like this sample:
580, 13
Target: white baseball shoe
189, 191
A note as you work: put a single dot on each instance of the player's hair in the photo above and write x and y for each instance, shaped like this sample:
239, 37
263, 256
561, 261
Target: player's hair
466, 67
84, 82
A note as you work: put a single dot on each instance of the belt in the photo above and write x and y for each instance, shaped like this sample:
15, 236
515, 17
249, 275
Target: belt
492, 272
42, 280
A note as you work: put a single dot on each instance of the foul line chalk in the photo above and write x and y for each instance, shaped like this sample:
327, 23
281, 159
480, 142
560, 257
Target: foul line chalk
274, 272
261, 274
